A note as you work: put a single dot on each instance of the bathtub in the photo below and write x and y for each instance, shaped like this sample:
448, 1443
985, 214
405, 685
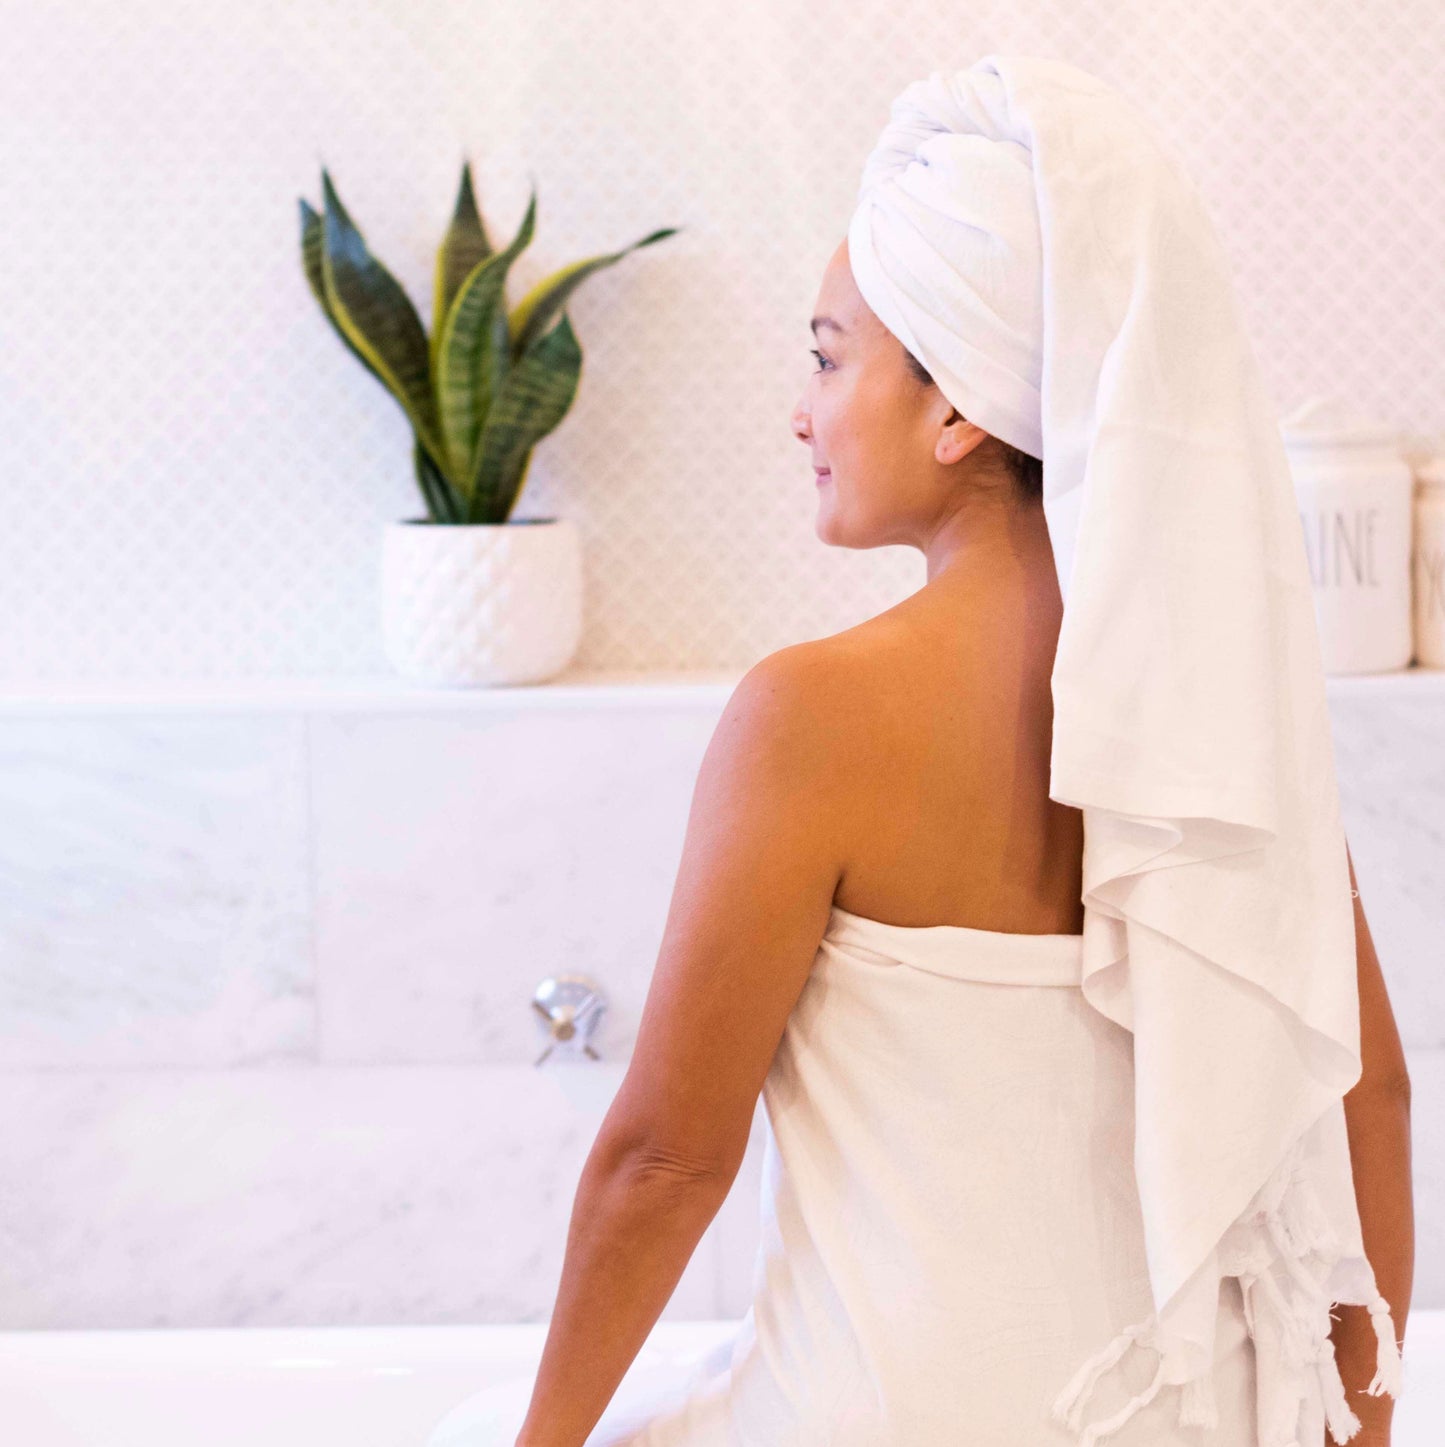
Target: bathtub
369, 1386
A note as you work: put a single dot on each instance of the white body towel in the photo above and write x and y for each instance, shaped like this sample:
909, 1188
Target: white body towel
950, 1221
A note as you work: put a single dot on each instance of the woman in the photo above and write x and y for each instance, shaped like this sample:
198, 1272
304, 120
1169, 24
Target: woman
882, 922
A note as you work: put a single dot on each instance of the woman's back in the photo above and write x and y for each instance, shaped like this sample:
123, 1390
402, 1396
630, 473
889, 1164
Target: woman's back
953, 822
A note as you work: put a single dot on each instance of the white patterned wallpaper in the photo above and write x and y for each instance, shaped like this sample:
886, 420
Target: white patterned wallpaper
195, 474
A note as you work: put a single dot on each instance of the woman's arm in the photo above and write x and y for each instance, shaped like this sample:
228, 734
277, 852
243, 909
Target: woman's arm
760, 864
1377, 1120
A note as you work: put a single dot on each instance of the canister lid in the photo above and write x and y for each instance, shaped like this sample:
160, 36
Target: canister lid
1333, 422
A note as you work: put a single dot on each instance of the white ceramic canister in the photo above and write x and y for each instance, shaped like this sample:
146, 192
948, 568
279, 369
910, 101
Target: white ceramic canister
1428, 557
1354, 487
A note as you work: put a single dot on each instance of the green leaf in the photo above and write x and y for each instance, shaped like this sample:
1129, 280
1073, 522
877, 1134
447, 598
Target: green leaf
375, 313
442, 503
311, 265
534, 398
464, 245
474, 352
535, 311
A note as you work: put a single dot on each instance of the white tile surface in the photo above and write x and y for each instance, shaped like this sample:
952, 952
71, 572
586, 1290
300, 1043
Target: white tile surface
291, 1196
196, 472
154, 891
1427, 1132
157, 875
296, 1196
1390, 759
460, 860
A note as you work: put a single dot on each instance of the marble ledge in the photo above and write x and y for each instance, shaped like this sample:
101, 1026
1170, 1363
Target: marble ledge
367, 693
389, 693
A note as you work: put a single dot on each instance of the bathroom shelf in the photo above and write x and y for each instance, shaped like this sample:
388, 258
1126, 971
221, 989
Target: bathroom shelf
368, 693
386, 693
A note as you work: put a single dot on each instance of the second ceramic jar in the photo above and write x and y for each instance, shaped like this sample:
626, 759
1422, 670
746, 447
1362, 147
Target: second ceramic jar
1354, 489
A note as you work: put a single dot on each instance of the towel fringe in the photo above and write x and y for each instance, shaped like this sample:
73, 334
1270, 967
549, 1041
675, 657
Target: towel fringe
1342, 1421
1069, 1404
1389, 1367
1282, 1252
1095, 1430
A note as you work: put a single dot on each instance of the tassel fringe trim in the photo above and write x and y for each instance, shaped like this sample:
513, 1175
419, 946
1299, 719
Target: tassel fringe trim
1282, 1254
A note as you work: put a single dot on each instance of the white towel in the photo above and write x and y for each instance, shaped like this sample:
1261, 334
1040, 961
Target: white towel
1022, 230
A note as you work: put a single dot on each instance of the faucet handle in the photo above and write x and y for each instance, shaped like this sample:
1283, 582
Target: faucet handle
570, 1007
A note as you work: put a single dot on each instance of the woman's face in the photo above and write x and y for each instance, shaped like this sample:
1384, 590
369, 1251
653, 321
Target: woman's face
889, 442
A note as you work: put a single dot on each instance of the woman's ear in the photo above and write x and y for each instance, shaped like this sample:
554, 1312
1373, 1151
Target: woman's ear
957, 438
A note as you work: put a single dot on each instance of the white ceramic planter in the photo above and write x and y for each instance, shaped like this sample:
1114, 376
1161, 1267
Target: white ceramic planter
481, 603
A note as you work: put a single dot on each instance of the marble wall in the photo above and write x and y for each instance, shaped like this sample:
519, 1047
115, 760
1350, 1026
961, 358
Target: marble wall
265, 972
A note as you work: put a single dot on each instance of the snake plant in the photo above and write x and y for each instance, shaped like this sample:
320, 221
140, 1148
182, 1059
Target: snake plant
488, 384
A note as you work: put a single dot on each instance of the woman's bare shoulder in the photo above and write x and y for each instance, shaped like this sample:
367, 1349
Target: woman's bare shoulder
853, 685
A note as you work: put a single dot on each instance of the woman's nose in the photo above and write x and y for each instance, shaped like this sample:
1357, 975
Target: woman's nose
802, 423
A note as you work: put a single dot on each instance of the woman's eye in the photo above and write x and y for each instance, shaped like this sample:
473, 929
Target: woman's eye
813, 351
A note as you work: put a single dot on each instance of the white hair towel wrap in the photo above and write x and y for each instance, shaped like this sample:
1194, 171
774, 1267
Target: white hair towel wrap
1025, 234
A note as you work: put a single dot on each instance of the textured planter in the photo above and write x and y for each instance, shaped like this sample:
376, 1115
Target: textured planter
481, 603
